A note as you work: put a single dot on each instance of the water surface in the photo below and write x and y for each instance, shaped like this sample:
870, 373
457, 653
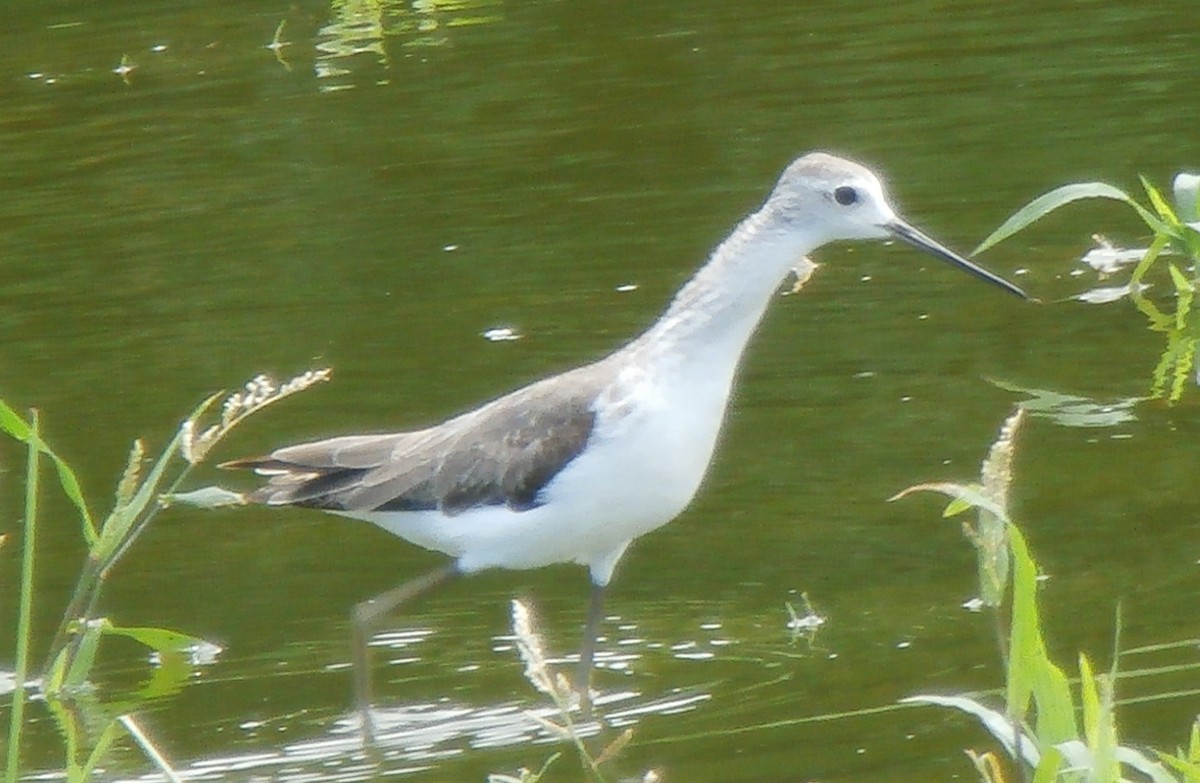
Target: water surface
402, 178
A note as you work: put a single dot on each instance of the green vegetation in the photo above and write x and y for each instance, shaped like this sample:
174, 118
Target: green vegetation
1051, 726
1049, 731
89, 724
545, 679
1176, 231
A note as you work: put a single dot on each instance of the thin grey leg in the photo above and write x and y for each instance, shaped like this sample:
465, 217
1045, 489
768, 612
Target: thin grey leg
364, 623
587, 651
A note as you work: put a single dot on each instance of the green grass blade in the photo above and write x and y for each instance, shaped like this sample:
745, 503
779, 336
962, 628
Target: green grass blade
1183, 295
1089, 697
1032, 676
168, 677
70, 487
25, 610
1184, 362
1158, 319
158, 639
1165, 212
107, 737
83, 660
1190, 770
12, 423
1047, 769
1047, 203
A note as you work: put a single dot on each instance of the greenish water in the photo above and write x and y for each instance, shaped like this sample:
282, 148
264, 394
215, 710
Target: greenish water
514, 164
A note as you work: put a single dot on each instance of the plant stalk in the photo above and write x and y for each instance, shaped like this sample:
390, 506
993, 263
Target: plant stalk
25, 611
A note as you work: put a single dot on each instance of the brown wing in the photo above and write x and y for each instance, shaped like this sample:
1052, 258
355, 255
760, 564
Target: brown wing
501, 454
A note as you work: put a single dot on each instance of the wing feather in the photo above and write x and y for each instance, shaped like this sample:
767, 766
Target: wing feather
504, 453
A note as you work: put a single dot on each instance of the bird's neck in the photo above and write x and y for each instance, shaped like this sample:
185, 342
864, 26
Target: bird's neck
715, 313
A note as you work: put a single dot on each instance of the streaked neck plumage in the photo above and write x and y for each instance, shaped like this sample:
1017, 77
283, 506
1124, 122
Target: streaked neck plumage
716, 312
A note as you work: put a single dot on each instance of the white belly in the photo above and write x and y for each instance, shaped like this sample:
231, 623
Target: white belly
642, 466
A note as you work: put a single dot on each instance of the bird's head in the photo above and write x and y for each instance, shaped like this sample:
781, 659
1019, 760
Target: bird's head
831, 199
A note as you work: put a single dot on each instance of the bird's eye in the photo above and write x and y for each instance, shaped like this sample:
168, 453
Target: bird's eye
845, 195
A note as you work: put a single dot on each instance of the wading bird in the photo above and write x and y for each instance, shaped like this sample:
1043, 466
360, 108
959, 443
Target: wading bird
574, 467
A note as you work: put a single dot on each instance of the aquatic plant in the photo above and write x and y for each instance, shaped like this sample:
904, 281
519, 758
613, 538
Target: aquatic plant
88, 726
1045, 728
1176, 231
553, 683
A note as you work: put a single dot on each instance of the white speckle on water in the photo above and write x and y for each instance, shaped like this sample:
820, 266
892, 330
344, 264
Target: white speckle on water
499, 334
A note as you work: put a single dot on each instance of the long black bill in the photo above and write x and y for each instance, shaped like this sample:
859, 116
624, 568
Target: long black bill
912, 236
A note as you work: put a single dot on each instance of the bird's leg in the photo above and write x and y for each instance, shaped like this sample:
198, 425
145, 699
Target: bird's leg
587, 652
364, 622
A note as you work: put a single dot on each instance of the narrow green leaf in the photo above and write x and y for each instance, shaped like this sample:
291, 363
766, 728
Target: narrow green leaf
1048, 767
1048, 202
1089, 696
12, 423
1158, 319
1154, 223
84, 658
1184, 293
70, 487
1032, 676
1183, 367
99, 750
956, 507
1164, 210
1189, 769
1182, 284
160, 639
29, 523
1166, 362
56, 673
168, 677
